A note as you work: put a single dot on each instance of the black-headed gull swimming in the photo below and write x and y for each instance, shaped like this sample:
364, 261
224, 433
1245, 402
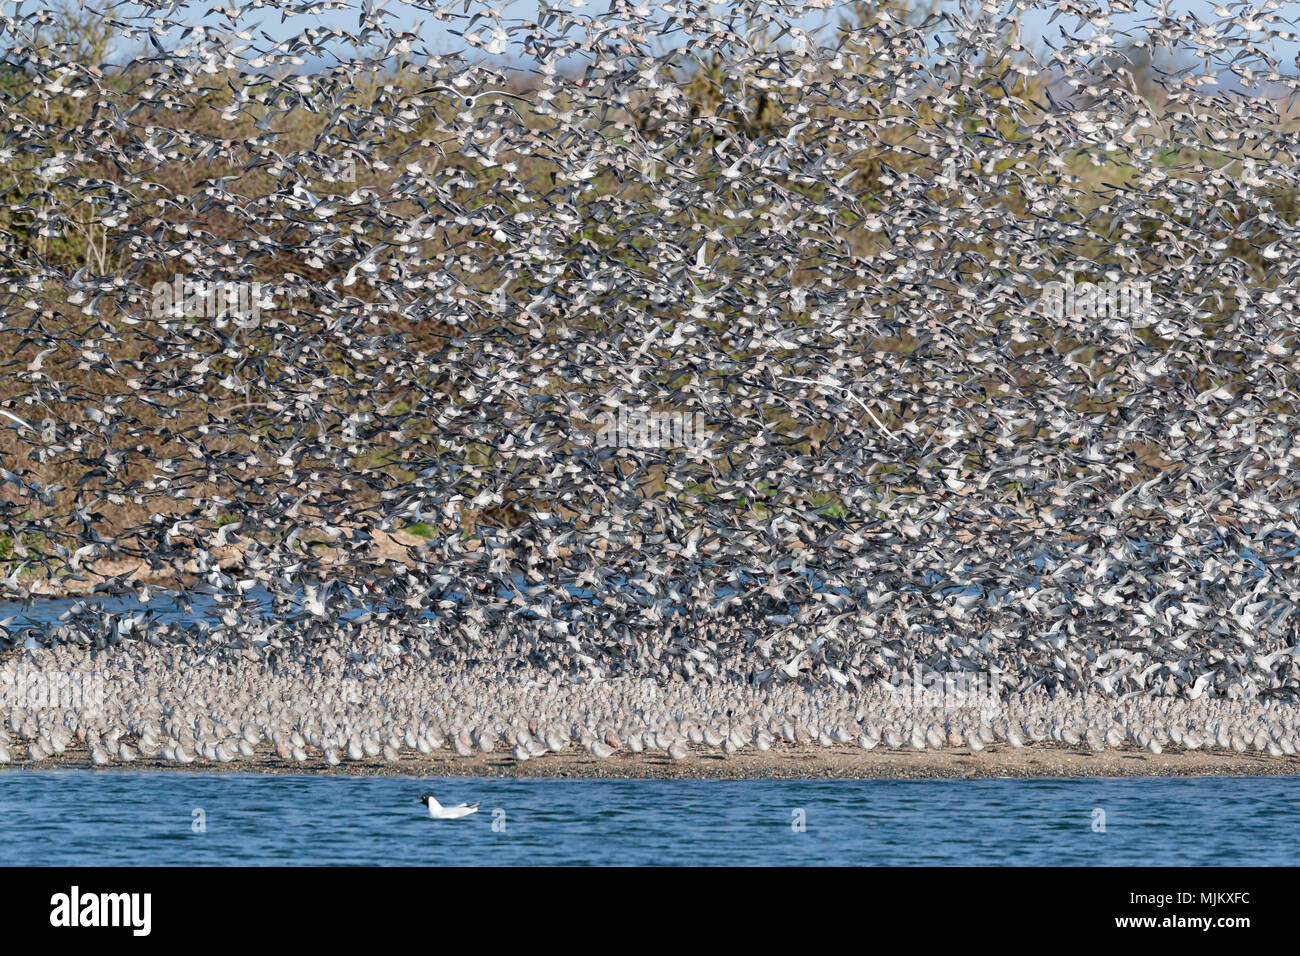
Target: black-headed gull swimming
439, 812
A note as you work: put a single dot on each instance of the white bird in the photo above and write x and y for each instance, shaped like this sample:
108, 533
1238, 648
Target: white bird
439, 812
22, 423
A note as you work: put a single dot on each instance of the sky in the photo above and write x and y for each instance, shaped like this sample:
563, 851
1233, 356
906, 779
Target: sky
1035, 26
1035, 23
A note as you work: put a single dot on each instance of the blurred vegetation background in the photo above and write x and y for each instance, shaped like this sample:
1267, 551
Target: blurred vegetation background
240, 180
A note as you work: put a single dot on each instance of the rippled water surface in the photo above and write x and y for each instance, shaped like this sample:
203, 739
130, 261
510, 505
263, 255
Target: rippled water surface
124, 818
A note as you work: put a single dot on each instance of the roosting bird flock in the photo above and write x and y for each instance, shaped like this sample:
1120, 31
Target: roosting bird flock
781, 357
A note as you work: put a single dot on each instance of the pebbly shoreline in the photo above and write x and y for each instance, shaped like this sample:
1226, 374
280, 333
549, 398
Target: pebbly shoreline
780, 762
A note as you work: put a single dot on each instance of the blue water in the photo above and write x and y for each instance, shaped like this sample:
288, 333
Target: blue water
121, 818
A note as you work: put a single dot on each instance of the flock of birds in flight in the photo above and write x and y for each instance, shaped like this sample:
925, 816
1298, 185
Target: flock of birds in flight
838, 245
